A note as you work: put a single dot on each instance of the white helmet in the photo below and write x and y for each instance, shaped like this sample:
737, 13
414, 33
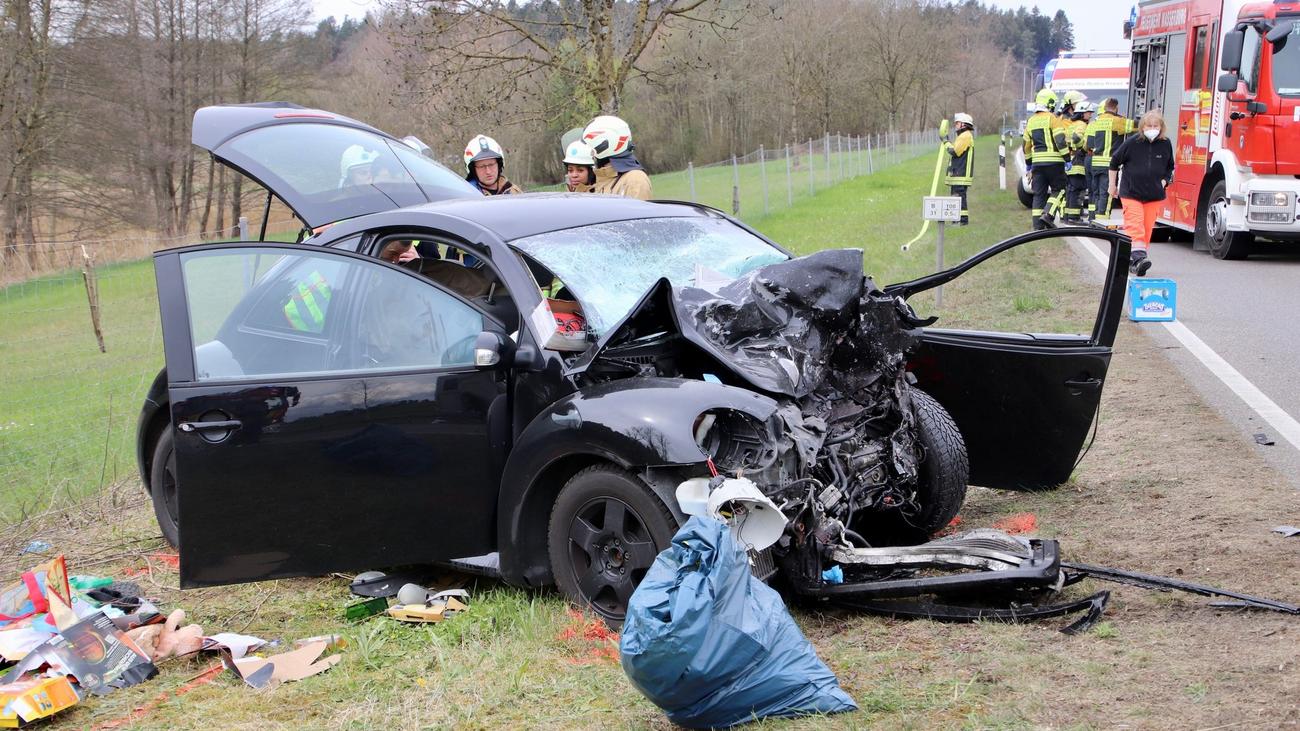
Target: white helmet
607, 136
354, 156
963, 117
578, 153
482, 147
1073, 98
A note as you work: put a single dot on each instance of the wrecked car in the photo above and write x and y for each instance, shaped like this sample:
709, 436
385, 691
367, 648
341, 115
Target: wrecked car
526, 397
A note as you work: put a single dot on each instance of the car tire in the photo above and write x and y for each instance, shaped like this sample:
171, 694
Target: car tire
606, 529
1026, 196
164, 489
945, 469
1223, 244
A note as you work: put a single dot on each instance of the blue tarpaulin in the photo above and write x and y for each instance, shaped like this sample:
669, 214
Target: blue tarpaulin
713, 646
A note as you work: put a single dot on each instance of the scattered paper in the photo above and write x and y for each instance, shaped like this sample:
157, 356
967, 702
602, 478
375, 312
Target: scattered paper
1287, 530
98, 655
237, 645
270, 672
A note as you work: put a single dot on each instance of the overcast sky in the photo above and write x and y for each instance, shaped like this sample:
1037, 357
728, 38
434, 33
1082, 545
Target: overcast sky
1098, 24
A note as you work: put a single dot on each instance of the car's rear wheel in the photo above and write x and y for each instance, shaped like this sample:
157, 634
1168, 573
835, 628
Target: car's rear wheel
164, 488
941, 486
606, 529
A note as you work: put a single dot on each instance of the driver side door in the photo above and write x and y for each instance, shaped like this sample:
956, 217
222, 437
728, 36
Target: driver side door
1022, 370
327, 413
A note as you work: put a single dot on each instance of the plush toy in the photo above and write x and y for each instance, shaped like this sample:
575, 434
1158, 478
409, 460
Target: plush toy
168, 639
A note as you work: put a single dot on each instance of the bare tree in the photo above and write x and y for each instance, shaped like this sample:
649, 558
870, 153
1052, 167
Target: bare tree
25, 71
596, 46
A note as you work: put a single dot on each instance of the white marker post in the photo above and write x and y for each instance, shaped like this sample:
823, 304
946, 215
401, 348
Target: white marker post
942, 209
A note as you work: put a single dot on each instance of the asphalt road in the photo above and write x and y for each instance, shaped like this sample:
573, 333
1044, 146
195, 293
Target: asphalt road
1249, 313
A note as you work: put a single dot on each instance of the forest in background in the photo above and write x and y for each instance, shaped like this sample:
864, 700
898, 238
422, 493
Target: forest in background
96, 96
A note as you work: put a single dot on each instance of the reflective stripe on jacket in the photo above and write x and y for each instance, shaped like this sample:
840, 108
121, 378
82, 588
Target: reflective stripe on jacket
1105, 134
1078, 146
961, 168
1045, 138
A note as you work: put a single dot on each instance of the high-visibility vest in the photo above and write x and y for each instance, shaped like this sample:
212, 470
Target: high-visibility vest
1078, 147
961, 169
1105, 133
307, 304
1044, 138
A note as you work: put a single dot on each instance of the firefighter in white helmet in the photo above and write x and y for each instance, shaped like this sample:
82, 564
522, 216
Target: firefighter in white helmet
485, 164
579, 167
617, 169
961, 161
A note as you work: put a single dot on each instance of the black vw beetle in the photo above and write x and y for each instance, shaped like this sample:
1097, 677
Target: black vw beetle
534, 388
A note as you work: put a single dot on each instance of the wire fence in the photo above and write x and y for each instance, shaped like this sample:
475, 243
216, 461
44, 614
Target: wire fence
767, 180
81, 344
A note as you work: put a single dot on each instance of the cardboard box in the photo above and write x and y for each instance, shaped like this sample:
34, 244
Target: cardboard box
26, 701
1152, 300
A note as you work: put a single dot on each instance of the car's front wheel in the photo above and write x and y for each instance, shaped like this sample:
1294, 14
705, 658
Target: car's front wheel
941, 485
164, 488
606, 529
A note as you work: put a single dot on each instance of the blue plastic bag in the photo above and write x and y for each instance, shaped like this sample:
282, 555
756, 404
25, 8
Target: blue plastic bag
713, 646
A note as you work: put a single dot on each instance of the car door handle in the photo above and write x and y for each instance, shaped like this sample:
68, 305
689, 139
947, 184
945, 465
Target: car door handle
193, 426
1084, 384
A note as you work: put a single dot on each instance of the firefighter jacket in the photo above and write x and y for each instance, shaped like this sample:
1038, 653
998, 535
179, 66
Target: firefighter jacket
308, 302
504, 187
1045, 139
1105, 134
1078, 147
633, 183
961, 165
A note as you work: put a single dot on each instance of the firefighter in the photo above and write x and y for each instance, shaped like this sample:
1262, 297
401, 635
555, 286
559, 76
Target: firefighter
1065, 109
617, 169
1076, 174
307, 304
1105, 133
961, 163
579, 168
1045, 145
485, 165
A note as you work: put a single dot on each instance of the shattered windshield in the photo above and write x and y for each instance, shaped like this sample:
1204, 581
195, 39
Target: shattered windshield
609, 266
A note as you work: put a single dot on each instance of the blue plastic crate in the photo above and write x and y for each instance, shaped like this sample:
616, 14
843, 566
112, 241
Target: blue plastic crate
1152, 300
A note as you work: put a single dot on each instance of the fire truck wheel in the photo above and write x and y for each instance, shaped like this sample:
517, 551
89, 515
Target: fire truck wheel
1212, 228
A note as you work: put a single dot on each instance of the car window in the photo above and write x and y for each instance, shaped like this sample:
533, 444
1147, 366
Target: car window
271, 311
608, 266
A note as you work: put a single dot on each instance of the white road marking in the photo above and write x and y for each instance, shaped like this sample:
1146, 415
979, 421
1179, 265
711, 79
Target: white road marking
1275, 415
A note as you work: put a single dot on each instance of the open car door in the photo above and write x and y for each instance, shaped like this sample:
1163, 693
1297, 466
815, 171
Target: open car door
327, 413
324, 166
1022, 373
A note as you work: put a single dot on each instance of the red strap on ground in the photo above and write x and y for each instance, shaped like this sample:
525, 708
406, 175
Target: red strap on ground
141, 711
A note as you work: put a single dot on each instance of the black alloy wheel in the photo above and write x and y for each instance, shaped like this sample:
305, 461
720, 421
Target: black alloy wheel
164, 489
606, 529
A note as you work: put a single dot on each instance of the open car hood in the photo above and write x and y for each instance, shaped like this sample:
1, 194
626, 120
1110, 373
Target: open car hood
776, 328
303, 157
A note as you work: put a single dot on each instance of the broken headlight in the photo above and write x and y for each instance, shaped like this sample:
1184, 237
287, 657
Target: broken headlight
736, 442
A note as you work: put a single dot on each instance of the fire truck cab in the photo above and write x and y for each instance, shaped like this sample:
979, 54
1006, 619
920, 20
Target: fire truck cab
1236, 135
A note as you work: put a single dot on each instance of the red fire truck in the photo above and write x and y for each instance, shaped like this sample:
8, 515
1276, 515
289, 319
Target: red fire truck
1236, 135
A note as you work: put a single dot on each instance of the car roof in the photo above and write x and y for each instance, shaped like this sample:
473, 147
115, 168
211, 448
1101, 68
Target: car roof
512, 217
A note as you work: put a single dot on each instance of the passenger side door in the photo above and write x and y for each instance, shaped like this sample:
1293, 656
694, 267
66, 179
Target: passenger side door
328, 414
1022, 372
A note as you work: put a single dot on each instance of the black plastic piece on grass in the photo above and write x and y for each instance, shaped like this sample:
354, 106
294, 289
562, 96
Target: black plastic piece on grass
1162, 583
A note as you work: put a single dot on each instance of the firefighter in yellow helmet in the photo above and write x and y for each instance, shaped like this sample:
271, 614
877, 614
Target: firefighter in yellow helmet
617, 169
1045, 146
961, 161
1076, 174
1067, 106
1105, 133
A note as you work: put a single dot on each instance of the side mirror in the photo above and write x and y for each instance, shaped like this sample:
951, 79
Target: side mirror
1228, 82
1279, 34
493, 350
1231, 54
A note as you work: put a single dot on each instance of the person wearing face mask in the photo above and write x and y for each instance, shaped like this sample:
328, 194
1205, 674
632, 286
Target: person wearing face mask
1147, 160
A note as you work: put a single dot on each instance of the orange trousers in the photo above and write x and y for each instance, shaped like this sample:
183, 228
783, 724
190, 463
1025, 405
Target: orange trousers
1139, 219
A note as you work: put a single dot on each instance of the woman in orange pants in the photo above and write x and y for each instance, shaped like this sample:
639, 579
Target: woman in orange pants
1147, 160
